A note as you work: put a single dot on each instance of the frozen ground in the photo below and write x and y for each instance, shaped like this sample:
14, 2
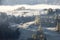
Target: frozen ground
27, 29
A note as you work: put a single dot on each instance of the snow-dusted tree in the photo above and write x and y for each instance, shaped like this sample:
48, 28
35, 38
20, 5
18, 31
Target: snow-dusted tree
37, 20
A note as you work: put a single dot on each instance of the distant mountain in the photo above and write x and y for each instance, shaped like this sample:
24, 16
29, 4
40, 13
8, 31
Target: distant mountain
31, 2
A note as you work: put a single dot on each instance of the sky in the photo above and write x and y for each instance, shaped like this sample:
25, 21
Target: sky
30, 2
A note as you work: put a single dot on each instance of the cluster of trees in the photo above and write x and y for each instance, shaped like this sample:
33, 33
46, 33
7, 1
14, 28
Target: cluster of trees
18, 19
5, 20
53, 13
5, 32
15, 19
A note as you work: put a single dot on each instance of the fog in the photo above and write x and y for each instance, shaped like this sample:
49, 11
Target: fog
4, 8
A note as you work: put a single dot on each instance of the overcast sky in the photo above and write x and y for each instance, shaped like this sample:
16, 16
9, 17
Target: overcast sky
32, 2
